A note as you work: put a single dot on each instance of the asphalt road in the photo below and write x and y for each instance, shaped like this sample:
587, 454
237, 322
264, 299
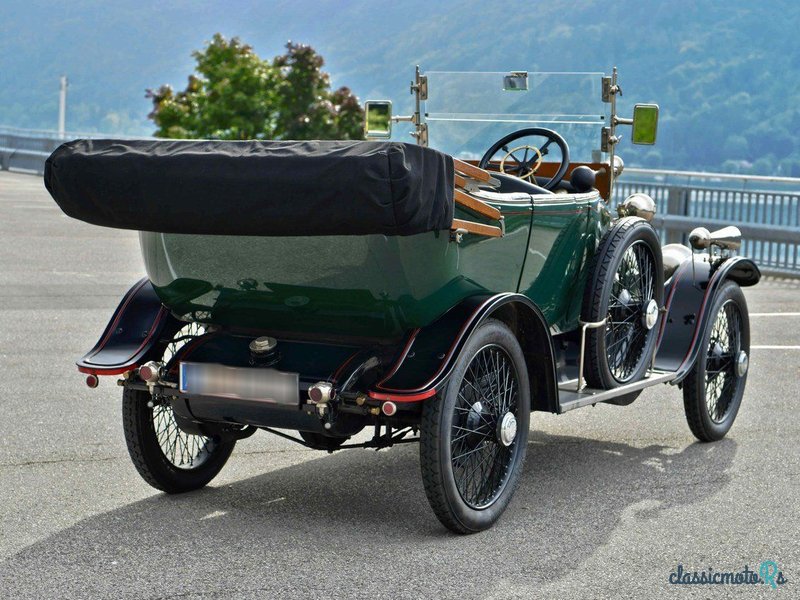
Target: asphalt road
611, 501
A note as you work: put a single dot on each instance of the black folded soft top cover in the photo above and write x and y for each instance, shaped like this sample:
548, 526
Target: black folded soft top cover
254, 187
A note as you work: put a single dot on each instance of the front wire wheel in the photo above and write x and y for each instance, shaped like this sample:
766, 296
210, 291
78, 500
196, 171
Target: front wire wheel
713, 390
626, 289
631, 293
474, 437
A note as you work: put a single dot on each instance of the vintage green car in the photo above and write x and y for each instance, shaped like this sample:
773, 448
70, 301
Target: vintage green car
435, 295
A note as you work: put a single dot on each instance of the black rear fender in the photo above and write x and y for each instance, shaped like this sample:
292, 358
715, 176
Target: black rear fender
430, 353
134, 334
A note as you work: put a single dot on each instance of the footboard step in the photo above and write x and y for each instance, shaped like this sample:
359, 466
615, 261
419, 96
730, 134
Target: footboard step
568, 398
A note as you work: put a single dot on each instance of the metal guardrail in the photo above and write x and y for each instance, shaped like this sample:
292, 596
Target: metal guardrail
25, 149
28, 149
766, 209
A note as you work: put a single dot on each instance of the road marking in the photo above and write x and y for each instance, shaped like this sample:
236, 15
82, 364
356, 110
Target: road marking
775, 347
214, 515
776, 314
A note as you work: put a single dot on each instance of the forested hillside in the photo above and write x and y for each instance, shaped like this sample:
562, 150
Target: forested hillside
724, 73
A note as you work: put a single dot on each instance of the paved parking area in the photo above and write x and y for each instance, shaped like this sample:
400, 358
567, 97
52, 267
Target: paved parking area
612, 498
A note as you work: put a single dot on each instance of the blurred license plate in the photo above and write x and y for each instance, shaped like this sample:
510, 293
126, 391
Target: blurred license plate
261, 385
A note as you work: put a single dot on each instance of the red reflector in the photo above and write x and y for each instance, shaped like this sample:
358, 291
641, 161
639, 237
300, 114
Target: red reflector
150, 371
389, 408
92, 381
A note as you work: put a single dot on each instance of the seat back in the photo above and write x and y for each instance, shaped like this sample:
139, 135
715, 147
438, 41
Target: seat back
509, 183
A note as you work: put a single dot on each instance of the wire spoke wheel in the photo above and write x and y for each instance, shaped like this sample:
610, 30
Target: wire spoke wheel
474, 434
725, 344
187, 334
714, 387
626, 289
631, 293
168, 457
480, 458
181, 449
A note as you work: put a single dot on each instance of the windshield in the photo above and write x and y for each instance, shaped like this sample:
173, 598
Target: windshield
467, 112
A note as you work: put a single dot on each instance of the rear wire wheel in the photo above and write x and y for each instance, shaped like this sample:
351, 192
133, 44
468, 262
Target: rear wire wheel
626, 288
166, 457
473, 437
713, 390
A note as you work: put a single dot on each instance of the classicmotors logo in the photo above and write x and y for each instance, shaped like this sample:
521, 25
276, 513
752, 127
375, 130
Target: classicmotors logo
767, 573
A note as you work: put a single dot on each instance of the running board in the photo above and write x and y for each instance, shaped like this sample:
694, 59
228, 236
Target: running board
569, 399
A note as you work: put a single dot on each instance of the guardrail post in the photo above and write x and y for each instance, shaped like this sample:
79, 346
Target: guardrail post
677, 204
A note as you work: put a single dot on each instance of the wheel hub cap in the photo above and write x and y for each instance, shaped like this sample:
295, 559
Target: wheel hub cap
507, 429
742, 362
651, 314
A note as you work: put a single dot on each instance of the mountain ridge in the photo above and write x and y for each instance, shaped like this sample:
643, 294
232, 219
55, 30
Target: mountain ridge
725, 74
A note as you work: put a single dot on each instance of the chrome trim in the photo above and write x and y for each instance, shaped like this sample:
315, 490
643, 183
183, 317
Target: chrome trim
638, 205
326, 392
263, 344
569, 399
584, 326
507, 429
727, 238
651, 314
742, 363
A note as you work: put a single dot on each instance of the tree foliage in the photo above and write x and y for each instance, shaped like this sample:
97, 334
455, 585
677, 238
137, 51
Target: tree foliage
236, 95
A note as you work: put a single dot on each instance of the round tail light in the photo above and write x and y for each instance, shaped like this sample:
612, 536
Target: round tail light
149, 372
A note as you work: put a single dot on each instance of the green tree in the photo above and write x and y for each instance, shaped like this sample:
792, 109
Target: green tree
236, 95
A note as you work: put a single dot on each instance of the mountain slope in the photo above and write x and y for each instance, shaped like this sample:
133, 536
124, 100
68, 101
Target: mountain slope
725, 74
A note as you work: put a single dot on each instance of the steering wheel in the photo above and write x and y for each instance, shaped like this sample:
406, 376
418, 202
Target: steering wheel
527, 158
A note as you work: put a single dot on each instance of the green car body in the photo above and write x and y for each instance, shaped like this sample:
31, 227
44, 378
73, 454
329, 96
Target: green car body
379, 286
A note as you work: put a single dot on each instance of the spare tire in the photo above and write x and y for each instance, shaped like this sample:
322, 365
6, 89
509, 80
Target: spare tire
625, 287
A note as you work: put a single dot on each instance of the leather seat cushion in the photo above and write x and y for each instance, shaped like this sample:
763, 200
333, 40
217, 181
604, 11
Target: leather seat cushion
509, 183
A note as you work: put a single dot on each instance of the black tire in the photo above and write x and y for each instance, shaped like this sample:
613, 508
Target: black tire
320, 441
713, 390
625, 275
151, 460
466, 504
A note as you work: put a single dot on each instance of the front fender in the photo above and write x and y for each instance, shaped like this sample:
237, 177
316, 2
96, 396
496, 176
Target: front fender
689, 293
430, 353
134, 331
